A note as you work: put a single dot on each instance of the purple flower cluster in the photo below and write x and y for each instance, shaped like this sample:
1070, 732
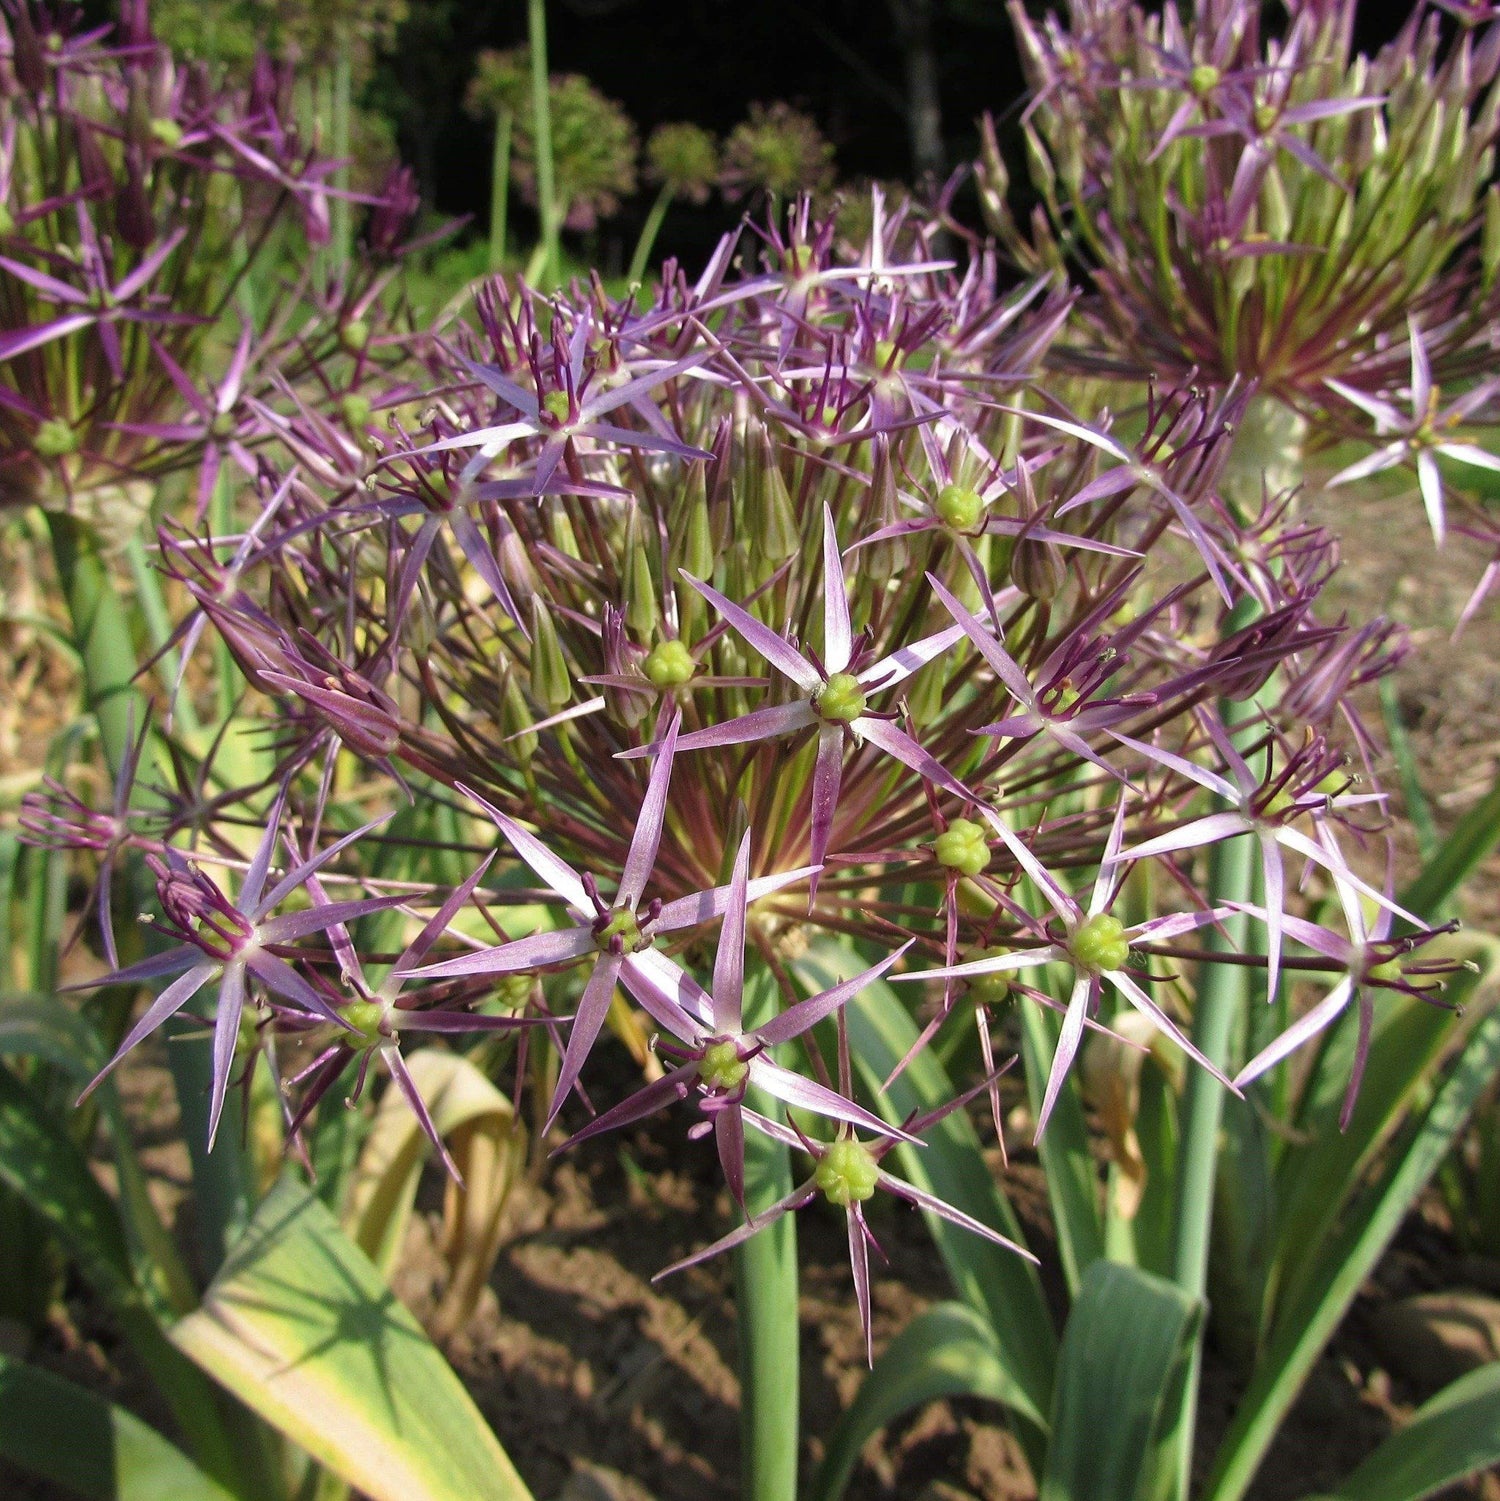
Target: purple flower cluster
794, 600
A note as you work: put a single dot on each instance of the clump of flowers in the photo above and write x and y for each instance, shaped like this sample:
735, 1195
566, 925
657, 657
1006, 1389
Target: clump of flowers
683, 158
777, 151
791, 602
1271, 206
138, 206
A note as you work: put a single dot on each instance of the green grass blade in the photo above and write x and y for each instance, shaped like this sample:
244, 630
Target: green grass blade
1454, 1435
90, 1447
300, 1326
1120, 1374
1304, 1326
947, 1351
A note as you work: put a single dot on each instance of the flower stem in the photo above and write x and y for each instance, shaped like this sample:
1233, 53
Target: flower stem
1222, 994
649, 231
340, 227
499, 188
766, 1296
541, 124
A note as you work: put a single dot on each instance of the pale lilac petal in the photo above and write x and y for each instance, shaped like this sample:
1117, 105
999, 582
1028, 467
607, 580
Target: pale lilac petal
674, 999
805, 1014
759, 724
1421, 370
538, 950
1210, 829
260, 862
1004, 665
154, 968
418, 1107
437, 924
1164, 1023
1067, 1047
315, 919
729, 1138
1335, 865
993, 965
476, 548
900, 665
1430, 481
1309, 1024
646, 1101
593, 1008
827, 773
1468, 453
298, 874
557, 873
838, 636
729, 959
641, 859
859, 1266
1057, 898
792, 1202
1180, 764
1382, 458
230, 1008
894, 741
1385, 415
1275, 881
774, 648
704, 906
807, 1094
168, 1003
490, 439
1108, 878
924, 1200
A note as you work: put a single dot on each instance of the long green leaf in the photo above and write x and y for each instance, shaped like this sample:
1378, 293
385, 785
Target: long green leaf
1304, 1326
91, 1447
1119, 1378
41, 1162
1473, 837
998, 1285
301, 1327
1454, 1435
948, 1351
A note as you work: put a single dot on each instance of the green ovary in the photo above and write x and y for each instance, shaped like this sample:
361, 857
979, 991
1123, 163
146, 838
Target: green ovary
1388, 973
622, 925
990, 989
840, 699
366, 1018
555, 404
669, 665
962, 847
847, 1173
1100, 943
721, 1068
960, 507
55, 437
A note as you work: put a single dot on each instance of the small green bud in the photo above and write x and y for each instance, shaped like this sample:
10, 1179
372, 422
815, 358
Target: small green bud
366, 1018
1204, 79
167, 134
1387, 973
887, 355
1100, 943
355, 335
721, 1068
847, 1172
962, 847
222, 426
840, 699
557, 406
355, 408
56, 437
1265, 117
990, 989
669, 664
550, 683
515, 719
960, 507
513, 992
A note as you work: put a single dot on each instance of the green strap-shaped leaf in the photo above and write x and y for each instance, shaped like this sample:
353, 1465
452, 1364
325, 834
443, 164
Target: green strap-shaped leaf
301, 1327
1119, 1375
91, 1447
1454, 1435
997, 1284
1344, 1261
948, 1351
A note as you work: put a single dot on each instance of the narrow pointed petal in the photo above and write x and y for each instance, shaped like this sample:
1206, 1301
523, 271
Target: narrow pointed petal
1057, 898
859, 1265
704, 906
315, 919
797, 1019
789, 1204
1210, 829
934, 1205
729, 1138
771, 723
299, 873
437, 924
896, 742
807, 1094
226, 1038
900, 665
1005, 666
1309, 1024
1067, 1047
648, 825
476, 548
838, 637
260, 862
534, 952
827, 773
558, 874
729, 959
996, 964
645, 1102
774, 648
1430, 482
673, 998
418, 1106
1164, 1023
592, 1010
168, 1003
1275, 884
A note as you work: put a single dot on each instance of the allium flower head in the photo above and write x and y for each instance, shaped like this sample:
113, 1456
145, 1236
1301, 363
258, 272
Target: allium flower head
778, 151
684, 159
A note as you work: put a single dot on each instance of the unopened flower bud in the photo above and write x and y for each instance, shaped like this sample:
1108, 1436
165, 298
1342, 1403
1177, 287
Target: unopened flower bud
55, 438
355, 335
640, 591
550, 682
516, 719
669, 664
962, 847
1037, 568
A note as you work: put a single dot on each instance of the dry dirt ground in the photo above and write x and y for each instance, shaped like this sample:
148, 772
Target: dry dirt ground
605, 1385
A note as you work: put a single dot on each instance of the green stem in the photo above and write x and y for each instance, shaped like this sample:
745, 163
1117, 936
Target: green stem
499, 189
1221, 1001
159, 628
649, 231
766, 1295
342, 111
541, 112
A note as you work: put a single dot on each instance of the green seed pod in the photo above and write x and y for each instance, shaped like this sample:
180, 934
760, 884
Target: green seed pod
550, 682
669, 664
640, 589
515, 718
962, 847
847, 1172
1100, 943
885, 560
